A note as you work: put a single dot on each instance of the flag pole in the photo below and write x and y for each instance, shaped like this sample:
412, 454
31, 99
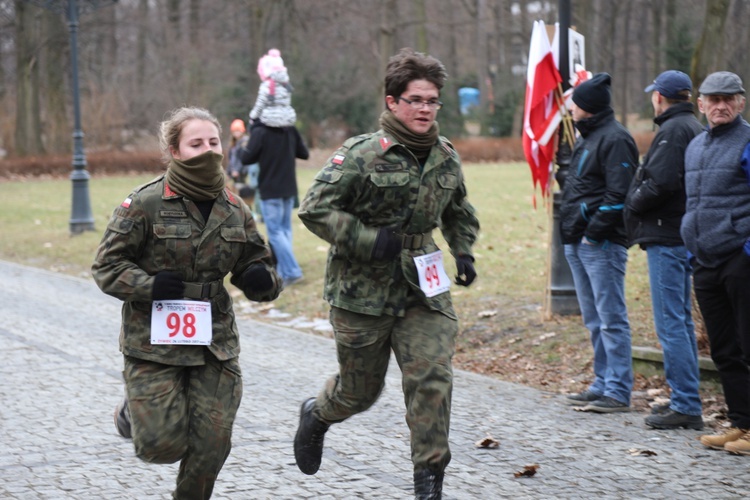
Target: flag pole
560, 297
568, 131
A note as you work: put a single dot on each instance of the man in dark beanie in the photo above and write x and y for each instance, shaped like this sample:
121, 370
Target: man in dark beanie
594, 95
593, 233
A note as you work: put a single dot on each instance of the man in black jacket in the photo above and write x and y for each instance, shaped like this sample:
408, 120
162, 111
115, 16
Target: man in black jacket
593, 232
275, 150
653, 212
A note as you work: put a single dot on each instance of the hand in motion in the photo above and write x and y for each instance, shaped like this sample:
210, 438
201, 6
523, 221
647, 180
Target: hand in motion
256, 279
465, 270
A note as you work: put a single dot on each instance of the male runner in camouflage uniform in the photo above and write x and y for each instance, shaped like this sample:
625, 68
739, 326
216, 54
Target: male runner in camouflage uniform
175, 238
376, 202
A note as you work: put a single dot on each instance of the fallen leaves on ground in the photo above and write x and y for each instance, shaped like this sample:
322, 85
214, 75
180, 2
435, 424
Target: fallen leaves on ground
488, 442
641, 453
528, 471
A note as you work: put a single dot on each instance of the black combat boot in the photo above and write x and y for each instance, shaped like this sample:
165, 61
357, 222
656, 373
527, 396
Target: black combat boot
428, 485
308, 443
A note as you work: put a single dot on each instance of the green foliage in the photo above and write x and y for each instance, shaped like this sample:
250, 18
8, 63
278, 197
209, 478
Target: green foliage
235, 99
500, 124
358, 113
450, 118
680, 51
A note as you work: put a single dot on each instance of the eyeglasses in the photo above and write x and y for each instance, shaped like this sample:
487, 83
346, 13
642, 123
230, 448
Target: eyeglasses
417, 104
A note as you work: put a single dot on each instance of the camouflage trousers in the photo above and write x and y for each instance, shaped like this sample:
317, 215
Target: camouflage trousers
423, 342
184, 413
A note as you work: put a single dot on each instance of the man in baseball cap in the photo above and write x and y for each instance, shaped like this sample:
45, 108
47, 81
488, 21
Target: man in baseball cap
716, 231
653, 212
672, 84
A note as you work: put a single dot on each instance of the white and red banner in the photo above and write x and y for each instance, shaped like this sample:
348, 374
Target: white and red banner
542, 115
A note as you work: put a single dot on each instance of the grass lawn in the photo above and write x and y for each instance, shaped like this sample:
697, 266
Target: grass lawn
503, 331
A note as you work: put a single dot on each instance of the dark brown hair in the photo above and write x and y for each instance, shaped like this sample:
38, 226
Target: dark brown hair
409, 65
684, 96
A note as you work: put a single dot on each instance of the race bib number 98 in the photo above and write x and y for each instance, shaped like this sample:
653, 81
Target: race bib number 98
181, 322
432, 277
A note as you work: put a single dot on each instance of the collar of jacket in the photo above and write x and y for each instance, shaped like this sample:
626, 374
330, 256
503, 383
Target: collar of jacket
723, 129
675, 109
387, 142
587, 125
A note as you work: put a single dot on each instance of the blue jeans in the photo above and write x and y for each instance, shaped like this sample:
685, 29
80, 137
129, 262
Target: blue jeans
277, 215
669, 274
599, 277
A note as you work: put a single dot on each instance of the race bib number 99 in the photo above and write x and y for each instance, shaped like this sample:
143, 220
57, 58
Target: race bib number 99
432, 277
181, 322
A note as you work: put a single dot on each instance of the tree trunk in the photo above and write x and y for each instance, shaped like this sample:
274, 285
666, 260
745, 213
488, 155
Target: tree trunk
709, 52
57, 128
622, 85
482, 65
657, 33
389, 12
28, 122
421, 26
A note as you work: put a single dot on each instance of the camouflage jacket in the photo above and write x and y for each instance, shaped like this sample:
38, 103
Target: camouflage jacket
155, 229
372, 182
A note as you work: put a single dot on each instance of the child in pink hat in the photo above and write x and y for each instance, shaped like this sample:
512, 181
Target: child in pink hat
273, 106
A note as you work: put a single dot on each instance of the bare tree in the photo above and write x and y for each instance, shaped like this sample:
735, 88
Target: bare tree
28, 119
709, 53
57, 127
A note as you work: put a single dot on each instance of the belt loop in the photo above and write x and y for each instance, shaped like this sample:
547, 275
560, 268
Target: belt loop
405, 241
205, 291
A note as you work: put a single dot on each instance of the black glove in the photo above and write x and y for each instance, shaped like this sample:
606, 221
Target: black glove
168, 285
256, 278
465, 270
387, 244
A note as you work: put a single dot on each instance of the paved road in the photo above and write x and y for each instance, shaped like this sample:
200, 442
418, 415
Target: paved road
60, 379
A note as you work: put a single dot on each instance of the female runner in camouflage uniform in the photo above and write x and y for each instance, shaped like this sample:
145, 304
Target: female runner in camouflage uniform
175, 238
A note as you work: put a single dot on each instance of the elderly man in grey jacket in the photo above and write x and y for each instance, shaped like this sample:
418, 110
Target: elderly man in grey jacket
716, 231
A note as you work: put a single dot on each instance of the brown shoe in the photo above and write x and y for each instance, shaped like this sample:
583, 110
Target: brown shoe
717, 441
739, 447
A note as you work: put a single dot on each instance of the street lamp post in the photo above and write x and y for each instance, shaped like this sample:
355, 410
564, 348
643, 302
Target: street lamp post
561, 293
81, 218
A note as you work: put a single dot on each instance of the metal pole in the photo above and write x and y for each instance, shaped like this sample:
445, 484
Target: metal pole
81, 217
561, 293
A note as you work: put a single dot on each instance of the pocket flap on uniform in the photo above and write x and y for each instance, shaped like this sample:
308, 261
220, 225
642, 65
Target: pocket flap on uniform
234, 233
329, 175
448, 181
390, 179
163, 231
120, 224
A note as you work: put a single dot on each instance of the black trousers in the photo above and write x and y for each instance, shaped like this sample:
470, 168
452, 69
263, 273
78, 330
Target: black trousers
723, 294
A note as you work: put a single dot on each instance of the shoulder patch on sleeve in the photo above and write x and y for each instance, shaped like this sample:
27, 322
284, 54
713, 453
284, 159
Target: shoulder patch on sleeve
230, 197
447, 146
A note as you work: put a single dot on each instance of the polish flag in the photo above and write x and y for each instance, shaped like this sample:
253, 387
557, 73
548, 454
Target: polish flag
542, 116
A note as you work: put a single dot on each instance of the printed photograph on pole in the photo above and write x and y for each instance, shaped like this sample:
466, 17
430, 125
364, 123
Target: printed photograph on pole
576, 51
